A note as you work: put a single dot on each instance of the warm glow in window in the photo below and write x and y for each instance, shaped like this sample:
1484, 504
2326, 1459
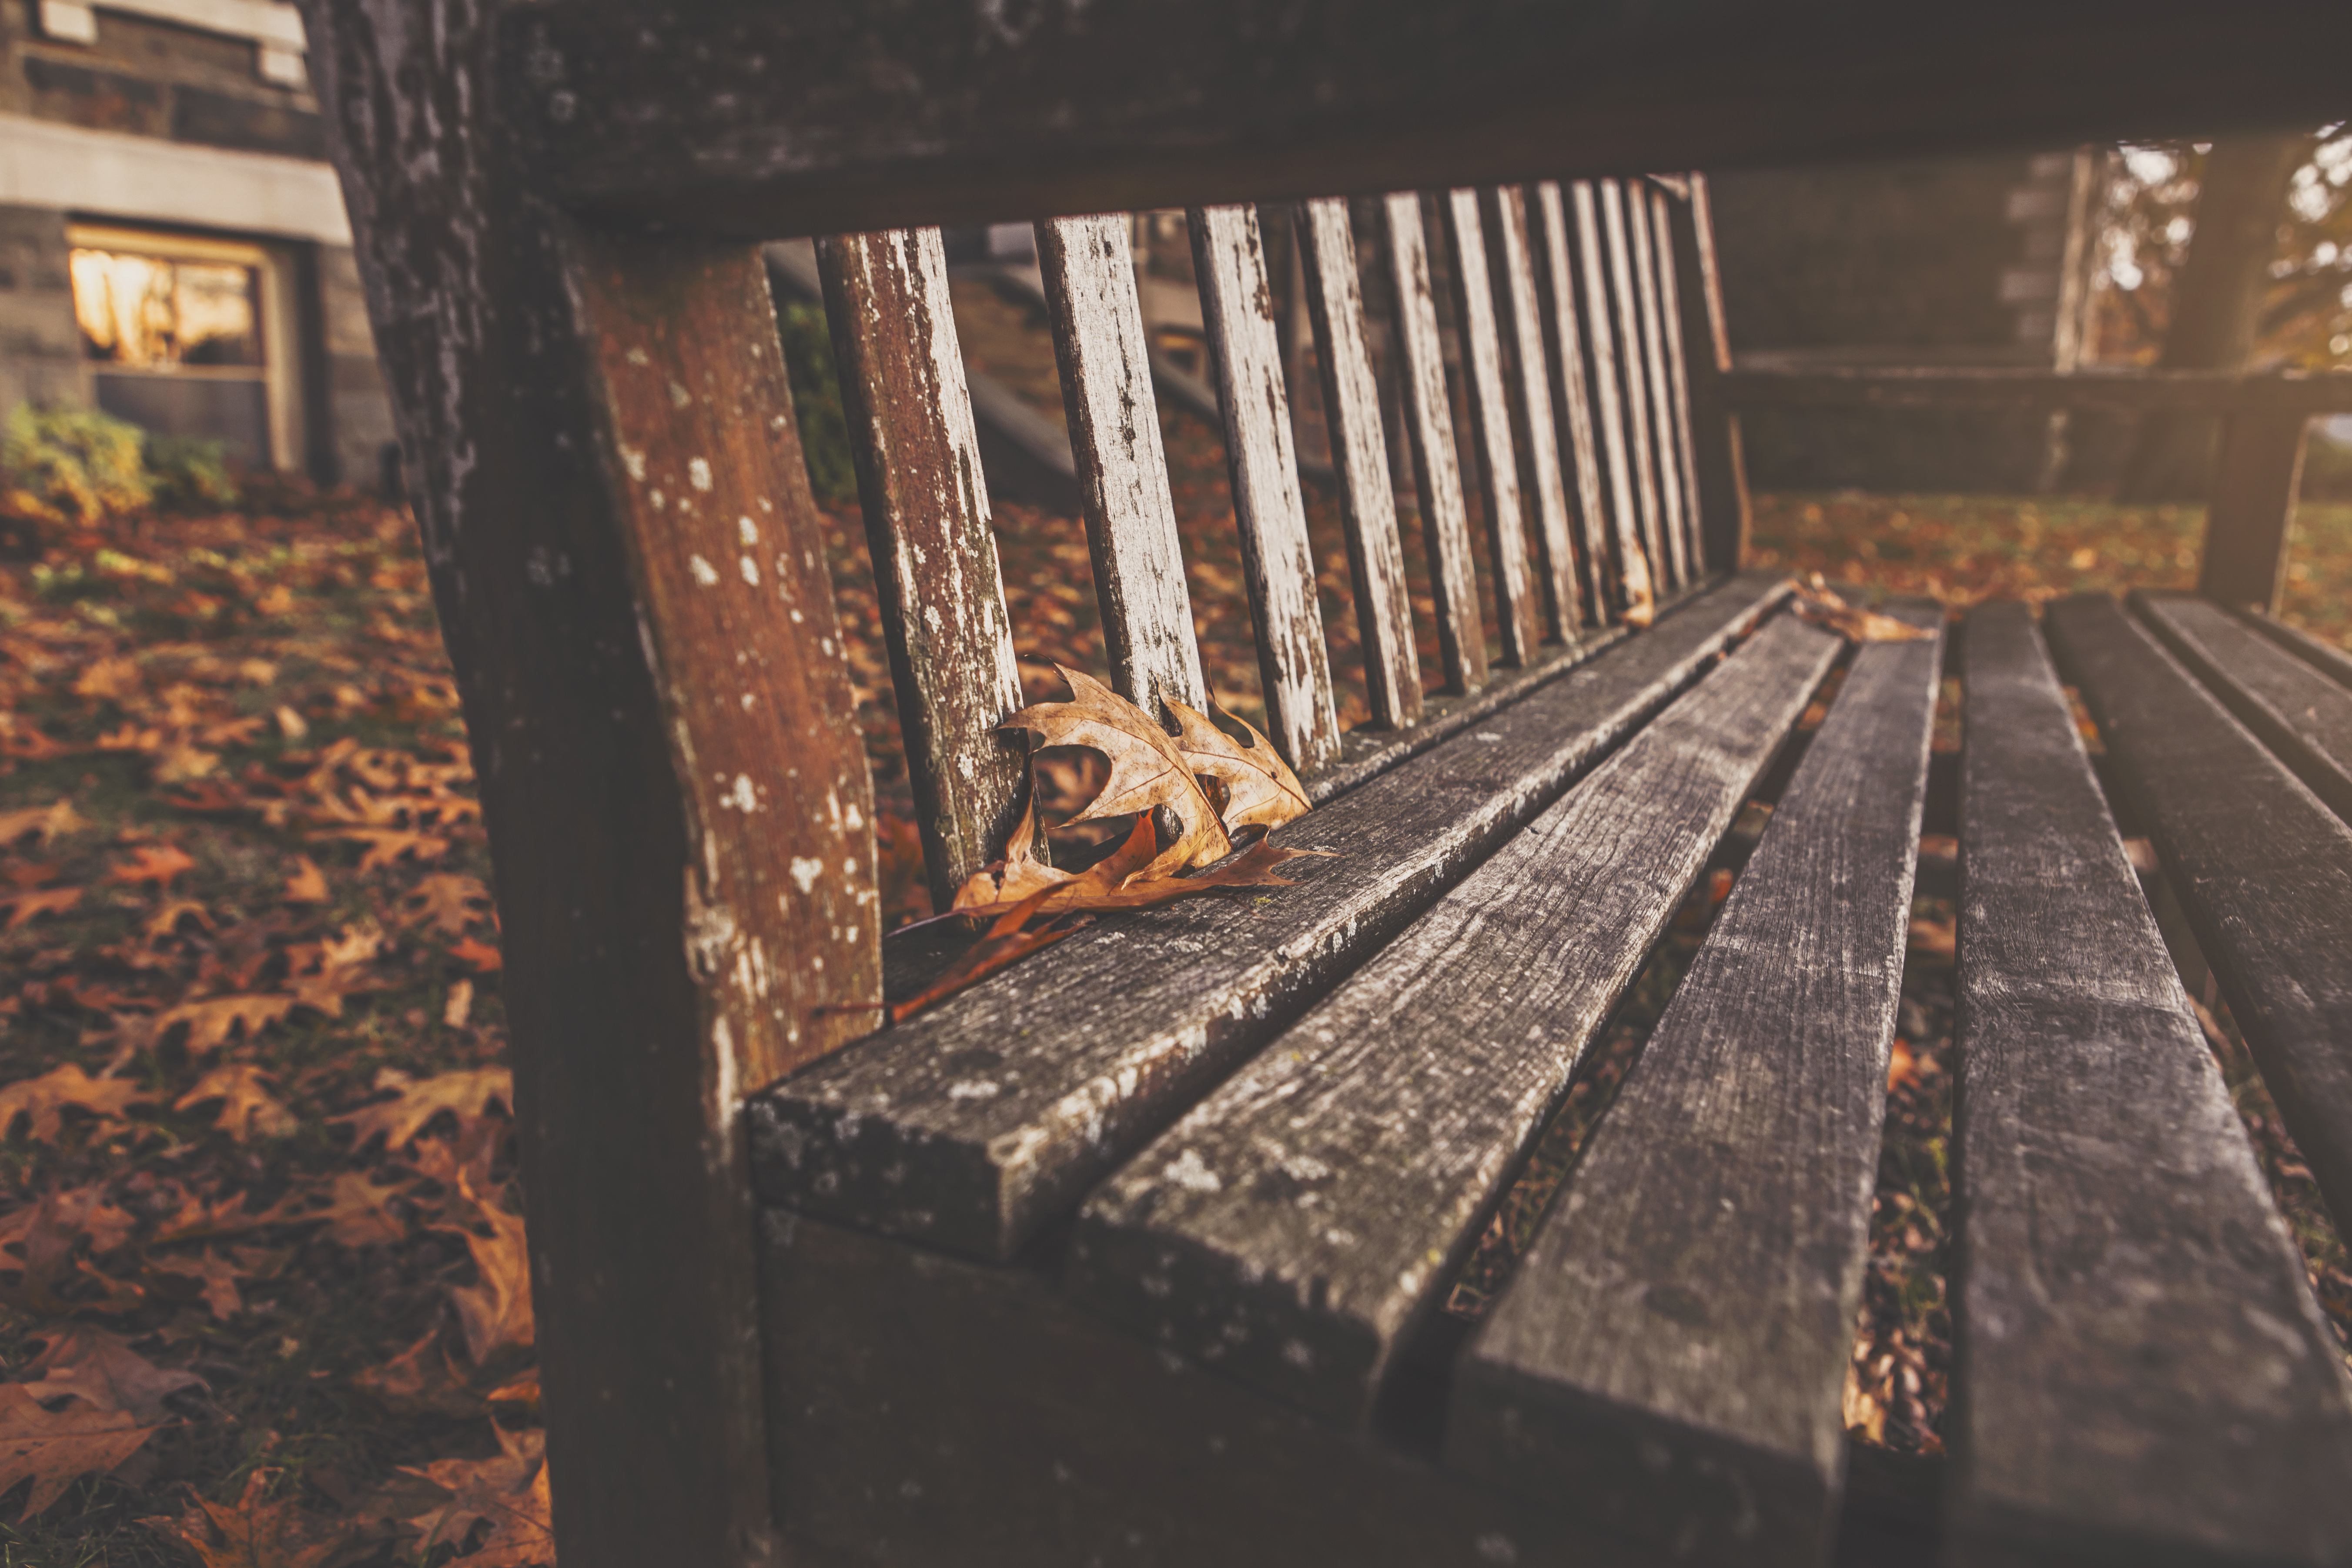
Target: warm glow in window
150, 313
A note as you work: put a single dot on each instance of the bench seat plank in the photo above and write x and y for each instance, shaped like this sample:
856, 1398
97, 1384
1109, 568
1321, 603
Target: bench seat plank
2302, 715
1359, 454
1672, 1351
975, 1124
1294, 669
2261, 868
2143, 1374
1429, 431
2321, 656
1297, 1223
1106, 362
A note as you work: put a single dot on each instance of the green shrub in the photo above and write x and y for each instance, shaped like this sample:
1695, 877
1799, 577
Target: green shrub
816, 400
59, 464
190, 474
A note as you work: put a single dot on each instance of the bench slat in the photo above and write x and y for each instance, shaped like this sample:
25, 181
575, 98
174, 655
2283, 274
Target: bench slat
975, 1124
1672, 1350
2321, 656
1351, 409
2142, 1371
2302, 716
2260, 866
1237, 308
1665, 448
1106, 362
1670, 312
1490, 425
1625, 300
1571, 396
1609, 397
1292, 1229
1534, 433
926, 527
1429, 430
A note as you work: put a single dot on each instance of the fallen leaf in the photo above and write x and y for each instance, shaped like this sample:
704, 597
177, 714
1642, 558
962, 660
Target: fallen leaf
216, 1278
165, 922
454, 1012
212, 1020
1147, 771
479, 956
508, 1491
56, 1448
468, 1094
420, 1381
1260, 789
257, 1533
1253, 868
1006, 942
196, 1220
1641, 597
359, 1213
102, 1368
449, 903
1818, 604
157, 863
496, 1312
386, 845
248, 1108
45, 1097
47, 822
307, 884
23, 907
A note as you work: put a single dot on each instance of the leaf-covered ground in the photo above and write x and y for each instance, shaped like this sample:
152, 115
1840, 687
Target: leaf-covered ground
262, 1286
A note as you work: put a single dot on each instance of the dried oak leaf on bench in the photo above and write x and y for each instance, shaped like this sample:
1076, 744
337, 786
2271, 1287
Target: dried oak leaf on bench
1150, 769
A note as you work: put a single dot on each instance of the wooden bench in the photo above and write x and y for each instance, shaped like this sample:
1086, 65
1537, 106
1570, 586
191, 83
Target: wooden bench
1133, 1253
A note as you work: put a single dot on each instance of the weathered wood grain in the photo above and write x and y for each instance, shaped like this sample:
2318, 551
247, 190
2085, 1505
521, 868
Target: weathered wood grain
1105, 362
1665, 448
1724, 516
1237, 308
1535, 434
1571, 395
2305, 717
755, 119
2261, 868
1359, 453
2142, 1372
1678, 404
2324, 656
920, 484
934, 1413
1429, 430
1490, 425
1291, 1229
1672, 1350
1610, 396
1625, 301
975, 1124
2250, 511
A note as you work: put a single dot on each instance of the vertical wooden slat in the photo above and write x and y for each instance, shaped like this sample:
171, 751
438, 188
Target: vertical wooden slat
927, 527
1436, 467
1678, 409
1637, 585
1106, 361
1246, 343
1663, 446
1624, 300
2256, 474
1490, 425
1571, 396
1723, 503
1352, 410
1534, 434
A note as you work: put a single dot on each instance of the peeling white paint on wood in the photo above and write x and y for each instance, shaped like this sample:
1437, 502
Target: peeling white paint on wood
1666, 446
1490, 425
1626, 308
1609, 395
1246, 346
1534, 434
1098, 337
1670, 307
1571, 394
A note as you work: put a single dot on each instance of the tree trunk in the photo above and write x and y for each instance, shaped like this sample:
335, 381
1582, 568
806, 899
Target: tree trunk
2216, 305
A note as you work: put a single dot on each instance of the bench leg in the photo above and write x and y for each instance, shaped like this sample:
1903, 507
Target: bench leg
2255, 479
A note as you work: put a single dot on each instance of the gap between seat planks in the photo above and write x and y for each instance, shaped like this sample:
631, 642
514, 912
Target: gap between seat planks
975, 1124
